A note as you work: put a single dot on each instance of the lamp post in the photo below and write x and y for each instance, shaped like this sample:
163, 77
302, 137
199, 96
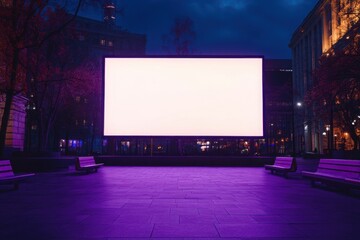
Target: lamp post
296, 107
328, 134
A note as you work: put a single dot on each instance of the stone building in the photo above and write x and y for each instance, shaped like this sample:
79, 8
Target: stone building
16, 126
78, 127
101, 39
324, 29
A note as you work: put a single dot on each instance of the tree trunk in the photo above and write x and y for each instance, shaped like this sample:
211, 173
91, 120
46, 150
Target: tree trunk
9, 99
39, 129
355, 139
331, 133
92, 138
5, 120
67, 140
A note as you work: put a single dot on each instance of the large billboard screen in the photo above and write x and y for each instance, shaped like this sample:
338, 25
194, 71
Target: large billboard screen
194, 96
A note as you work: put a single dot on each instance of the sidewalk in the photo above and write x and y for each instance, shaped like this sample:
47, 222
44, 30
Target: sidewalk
177, 203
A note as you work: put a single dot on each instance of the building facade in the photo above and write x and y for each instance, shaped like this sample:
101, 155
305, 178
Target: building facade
278, 106
78, 126
100, 38
325, 27
16, 127
107, 39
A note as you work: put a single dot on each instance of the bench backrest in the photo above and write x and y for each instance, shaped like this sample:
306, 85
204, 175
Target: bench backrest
286, 162
85, 161
6, 169
340, 167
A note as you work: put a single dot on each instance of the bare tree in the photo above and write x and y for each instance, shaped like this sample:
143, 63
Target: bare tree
180, 38
58, 72
335, 95
23, 25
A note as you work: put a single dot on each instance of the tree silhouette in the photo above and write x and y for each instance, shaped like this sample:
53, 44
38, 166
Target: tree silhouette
180, 38
24, 27
335, 96
58, 72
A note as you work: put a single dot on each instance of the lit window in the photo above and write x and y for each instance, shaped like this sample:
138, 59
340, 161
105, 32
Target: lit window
102, 42
62, 143
110, 44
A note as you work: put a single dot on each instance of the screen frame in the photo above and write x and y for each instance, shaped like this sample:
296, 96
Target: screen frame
184, 57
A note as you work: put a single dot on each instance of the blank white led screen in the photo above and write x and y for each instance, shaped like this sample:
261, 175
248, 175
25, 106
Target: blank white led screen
183, 97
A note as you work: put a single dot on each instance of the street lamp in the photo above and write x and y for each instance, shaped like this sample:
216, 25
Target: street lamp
329, 136
296, 108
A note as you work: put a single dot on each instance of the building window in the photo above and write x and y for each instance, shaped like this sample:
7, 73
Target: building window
102, 42
110, 44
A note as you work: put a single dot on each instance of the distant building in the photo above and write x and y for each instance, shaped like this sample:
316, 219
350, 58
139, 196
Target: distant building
78, 129
278, 106
104, 38
101, 39
325, 28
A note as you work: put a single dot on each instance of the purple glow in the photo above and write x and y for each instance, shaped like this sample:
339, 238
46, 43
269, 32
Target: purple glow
176, 203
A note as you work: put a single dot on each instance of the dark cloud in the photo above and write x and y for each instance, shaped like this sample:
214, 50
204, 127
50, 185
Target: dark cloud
222, 26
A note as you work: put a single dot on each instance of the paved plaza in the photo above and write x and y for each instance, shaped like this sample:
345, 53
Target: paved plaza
176, 203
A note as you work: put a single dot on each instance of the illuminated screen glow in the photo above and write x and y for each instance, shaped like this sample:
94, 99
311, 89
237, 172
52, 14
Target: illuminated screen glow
183, 97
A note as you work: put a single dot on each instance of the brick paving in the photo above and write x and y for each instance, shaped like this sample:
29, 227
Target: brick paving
176, 203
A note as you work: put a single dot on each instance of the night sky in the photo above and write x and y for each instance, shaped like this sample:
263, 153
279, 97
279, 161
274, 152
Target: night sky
261, 27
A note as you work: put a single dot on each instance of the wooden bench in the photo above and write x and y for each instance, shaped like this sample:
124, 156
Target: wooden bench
336, 171
87, 164
283, 165
7, 175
